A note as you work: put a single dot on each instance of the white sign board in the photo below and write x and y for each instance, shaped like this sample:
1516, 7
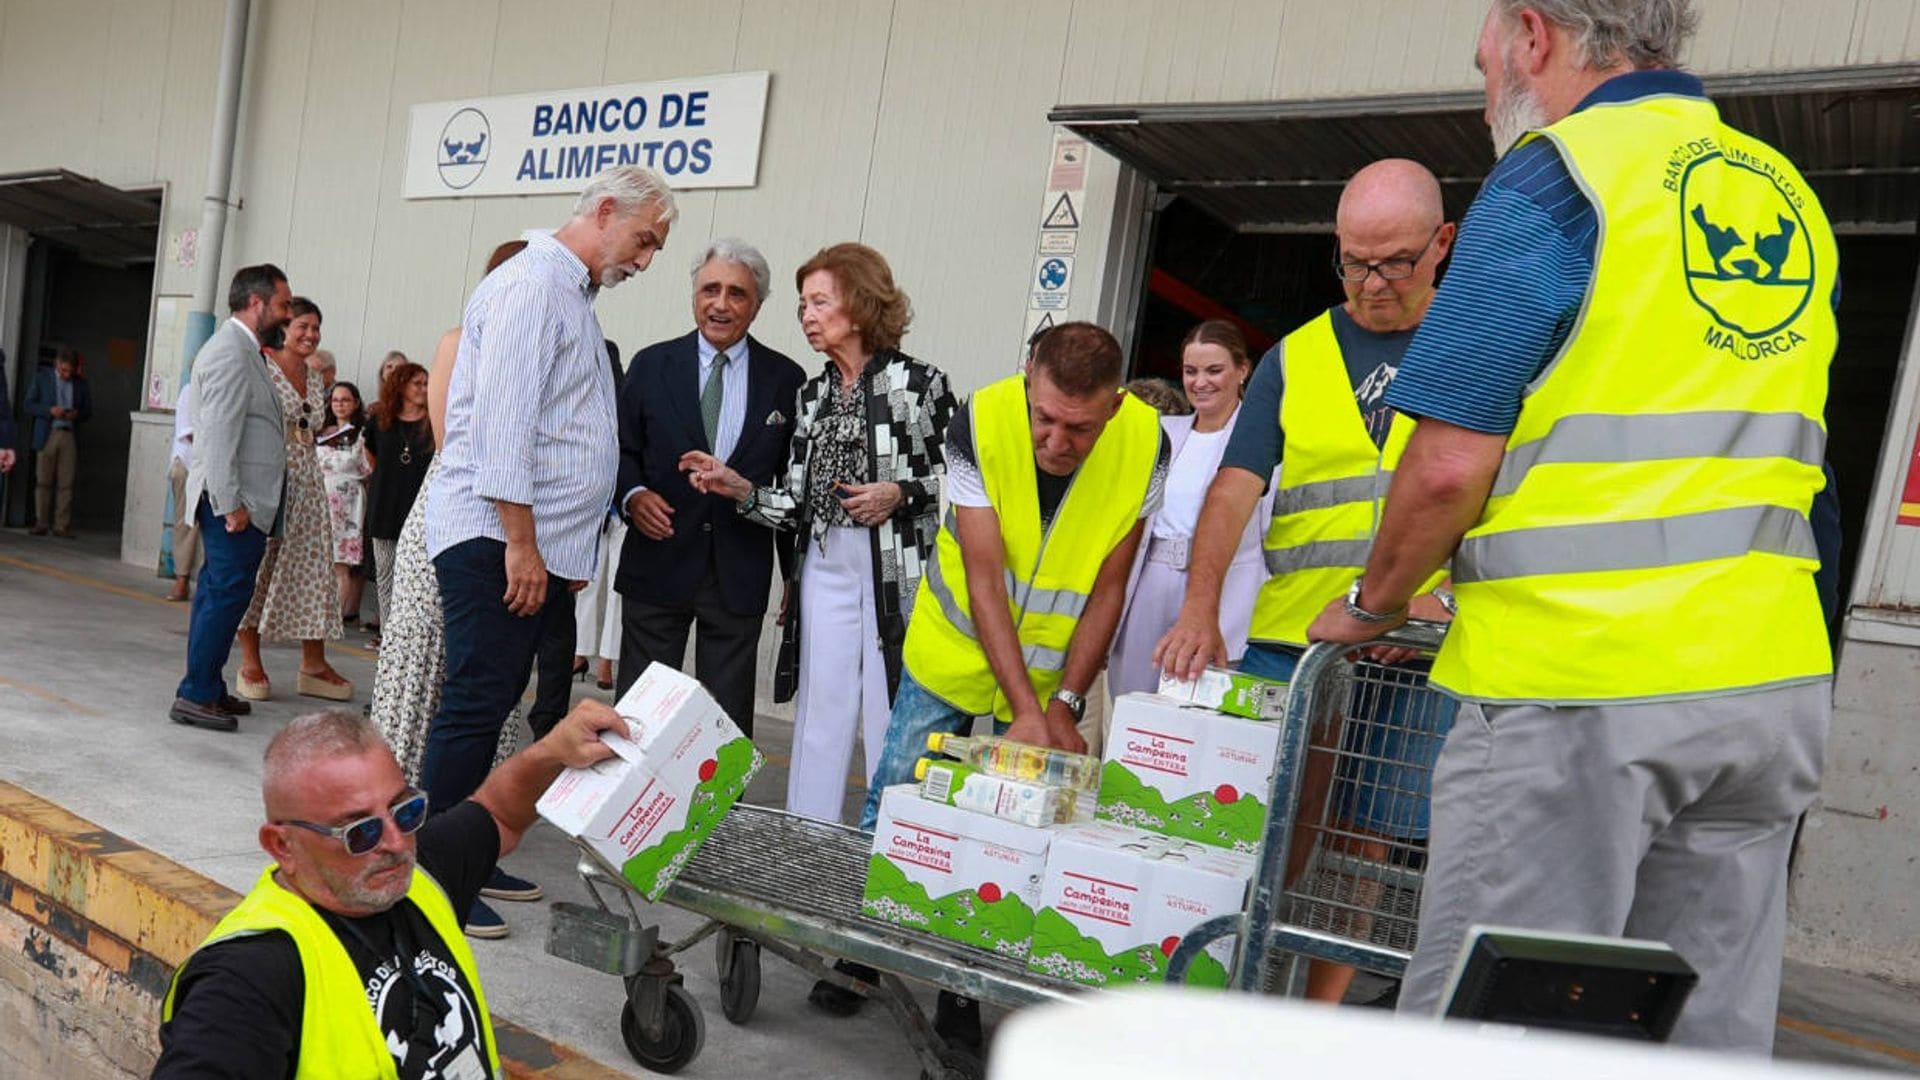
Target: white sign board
698, 133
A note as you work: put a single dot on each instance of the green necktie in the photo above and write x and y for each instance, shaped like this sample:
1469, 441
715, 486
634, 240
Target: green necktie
710, 399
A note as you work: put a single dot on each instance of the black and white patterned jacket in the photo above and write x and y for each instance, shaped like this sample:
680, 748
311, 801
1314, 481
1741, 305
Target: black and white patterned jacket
908, 404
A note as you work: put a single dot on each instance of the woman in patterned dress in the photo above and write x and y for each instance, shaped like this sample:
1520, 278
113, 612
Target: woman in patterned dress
413, 652
344, 464
294, 596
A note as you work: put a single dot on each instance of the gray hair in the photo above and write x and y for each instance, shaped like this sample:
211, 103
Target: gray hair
330, 733
630, 187
1644, 33
728, 249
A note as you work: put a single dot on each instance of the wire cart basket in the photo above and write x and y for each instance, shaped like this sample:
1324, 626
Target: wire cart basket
1339, 870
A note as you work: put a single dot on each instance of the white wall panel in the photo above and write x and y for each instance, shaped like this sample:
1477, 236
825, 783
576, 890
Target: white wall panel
190, 53
273, 117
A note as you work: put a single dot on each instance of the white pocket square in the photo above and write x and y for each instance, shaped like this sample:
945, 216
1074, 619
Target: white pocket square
776, 417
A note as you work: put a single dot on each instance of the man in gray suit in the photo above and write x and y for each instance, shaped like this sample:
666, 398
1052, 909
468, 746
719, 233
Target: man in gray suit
233, 485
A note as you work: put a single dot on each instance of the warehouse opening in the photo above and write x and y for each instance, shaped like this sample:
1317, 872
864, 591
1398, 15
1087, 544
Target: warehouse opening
1236, 205
76, 272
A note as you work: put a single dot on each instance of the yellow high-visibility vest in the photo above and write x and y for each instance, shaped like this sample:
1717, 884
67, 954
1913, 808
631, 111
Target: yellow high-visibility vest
1049, 575
1332, 480
339, 1034
1647, 536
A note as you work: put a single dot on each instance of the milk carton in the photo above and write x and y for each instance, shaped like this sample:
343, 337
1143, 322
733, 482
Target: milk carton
968, 877
1187, 772
1117, 901
1229, 691
650, 807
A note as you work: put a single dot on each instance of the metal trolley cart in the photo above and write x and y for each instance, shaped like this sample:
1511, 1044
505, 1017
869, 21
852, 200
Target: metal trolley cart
1353, 773
791, 886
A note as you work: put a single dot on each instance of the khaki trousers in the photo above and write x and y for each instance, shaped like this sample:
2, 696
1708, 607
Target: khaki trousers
186, 538
53, 498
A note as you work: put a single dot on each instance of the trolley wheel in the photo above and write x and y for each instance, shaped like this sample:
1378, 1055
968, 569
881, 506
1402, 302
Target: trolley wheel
683, 1032
739, 963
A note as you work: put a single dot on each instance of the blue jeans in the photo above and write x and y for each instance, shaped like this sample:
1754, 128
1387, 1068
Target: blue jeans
489, 657
1384, 779
916, 715
219, 603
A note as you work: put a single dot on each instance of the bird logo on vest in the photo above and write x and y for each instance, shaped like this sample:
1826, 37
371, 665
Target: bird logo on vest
1749, 260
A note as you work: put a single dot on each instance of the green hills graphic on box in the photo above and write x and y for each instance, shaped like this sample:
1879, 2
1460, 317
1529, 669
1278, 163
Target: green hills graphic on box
999, 926
1201, 817
1061, 950
655, 867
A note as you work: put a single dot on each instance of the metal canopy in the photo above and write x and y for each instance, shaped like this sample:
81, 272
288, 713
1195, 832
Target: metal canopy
97, 220
1279, 166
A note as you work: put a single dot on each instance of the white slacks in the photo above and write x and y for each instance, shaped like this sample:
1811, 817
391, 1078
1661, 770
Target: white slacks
843, 680
596, 608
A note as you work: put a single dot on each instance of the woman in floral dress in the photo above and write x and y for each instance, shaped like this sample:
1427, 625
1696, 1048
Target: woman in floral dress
344, 464
294, 596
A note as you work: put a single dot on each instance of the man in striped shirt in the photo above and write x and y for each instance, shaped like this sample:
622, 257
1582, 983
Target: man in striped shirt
527, 472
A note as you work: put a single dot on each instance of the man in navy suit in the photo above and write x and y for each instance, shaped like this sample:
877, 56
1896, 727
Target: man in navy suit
59, 402
690, 560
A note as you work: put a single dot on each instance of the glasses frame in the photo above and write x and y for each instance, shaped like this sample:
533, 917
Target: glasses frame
1368, 269
341, 832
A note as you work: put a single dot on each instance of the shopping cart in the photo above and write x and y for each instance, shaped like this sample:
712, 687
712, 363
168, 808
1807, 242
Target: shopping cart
789, 885
1344, 778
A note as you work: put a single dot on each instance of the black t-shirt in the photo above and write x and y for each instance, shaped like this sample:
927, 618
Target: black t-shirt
237, 1011
400, 457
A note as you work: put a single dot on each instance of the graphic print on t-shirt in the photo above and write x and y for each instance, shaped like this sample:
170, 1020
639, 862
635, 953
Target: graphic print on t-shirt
457, 1051
1370, 393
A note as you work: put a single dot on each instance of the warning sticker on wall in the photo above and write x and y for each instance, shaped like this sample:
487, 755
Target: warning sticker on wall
1052, 280
1910, 496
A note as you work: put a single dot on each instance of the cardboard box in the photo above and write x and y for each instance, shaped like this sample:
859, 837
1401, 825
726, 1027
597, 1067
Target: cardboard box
1231, 692
650, 807
1117, 901
1187, 772
967, 877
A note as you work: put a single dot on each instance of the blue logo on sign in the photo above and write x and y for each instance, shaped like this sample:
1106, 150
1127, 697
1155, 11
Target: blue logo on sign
463, 148
1053, 273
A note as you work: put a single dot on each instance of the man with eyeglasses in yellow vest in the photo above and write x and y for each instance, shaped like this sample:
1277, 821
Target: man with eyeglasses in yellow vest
1049, 477
346, 958
1621, 390
1325, 426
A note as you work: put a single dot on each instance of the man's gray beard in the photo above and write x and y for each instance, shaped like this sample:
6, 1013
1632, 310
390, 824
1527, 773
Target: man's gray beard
1518, 112
614, 275
368, 899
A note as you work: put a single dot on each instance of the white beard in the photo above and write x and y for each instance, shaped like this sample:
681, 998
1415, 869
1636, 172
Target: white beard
614, 275
1518, 112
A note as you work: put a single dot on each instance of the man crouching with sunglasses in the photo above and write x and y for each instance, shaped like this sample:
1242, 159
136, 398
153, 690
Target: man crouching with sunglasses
346, 958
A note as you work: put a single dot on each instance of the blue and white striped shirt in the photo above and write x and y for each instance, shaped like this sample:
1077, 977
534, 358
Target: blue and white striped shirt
530, 413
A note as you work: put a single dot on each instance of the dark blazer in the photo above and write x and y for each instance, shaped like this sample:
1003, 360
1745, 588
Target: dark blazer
45, 394
660, 421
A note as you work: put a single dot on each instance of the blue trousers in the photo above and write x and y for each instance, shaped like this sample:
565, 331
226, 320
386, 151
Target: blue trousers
219, 603
916, 715
490, 654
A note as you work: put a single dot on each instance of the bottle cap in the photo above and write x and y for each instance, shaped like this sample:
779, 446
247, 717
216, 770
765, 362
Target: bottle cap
936, 740
920, 768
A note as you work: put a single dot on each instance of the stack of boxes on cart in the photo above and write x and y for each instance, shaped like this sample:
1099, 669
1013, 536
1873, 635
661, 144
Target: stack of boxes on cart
1089, 870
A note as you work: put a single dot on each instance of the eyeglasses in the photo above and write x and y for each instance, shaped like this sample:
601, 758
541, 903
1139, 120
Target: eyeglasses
363, 835
1388, 269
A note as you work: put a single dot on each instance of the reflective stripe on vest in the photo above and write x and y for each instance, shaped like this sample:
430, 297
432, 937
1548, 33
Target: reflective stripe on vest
1332, 478
1646, 537
1049, 575
339, 1033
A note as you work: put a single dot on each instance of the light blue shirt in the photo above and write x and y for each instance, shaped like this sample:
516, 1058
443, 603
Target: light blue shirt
733, 392
530, 413
63, 397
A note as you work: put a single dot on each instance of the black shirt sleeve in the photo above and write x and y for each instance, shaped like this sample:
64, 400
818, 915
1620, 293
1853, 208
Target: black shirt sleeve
1257, 439
459, 849
237, 1012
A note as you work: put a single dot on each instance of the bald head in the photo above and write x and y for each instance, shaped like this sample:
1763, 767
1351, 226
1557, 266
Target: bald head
1392, 232
1387, 193
287, 769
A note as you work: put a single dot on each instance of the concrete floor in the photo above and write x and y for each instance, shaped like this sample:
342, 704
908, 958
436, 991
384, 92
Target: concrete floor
89, 658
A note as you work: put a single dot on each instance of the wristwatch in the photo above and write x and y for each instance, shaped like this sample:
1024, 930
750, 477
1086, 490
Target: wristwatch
1354, 610
1075, 704
1445, 596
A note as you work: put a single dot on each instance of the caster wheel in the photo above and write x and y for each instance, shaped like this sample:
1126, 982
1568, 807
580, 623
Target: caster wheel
739, 978
683, 1032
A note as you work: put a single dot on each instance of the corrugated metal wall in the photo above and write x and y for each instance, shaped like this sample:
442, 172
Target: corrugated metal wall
915, 125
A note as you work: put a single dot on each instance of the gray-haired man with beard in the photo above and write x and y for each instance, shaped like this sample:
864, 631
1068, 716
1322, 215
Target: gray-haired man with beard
360, 906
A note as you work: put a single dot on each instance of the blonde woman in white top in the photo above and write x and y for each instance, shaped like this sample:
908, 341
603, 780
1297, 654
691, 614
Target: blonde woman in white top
1214, 369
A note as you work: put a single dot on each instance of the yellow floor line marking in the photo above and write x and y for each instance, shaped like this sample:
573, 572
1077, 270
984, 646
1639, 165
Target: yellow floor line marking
49, 696
1848, 1038
88, 581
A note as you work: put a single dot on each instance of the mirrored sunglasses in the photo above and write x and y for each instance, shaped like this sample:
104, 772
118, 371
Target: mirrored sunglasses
363, 835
